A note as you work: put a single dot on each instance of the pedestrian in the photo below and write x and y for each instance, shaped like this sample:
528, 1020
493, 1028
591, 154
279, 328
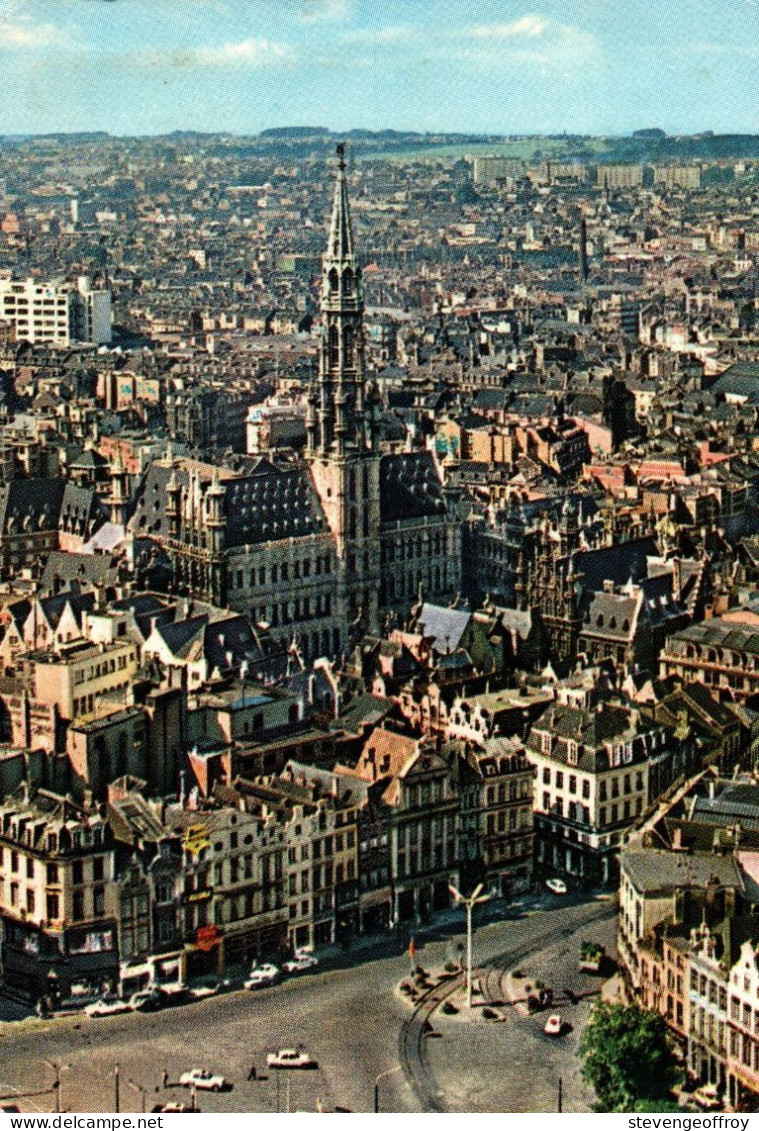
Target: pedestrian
252, 1073
165, 1079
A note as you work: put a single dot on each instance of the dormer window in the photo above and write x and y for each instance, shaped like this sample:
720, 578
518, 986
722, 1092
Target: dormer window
545, 742
572, 752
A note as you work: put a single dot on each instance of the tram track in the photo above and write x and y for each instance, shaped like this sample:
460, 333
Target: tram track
413, 1038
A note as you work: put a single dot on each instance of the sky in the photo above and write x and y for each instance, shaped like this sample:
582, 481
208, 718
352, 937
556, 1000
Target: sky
135, 67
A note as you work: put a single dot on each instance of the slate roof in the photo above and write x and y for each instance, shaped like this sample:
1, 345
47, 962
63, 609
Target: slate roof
740, 379
445, 626
34, 501
658, 870
270, 504
615, 563
609, 615
267, 504
591, 730
364, 711
90, 569
736, 803
410, 487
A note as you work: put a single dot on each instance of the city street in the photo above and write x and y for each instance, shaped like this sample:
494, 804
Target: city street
350, 1020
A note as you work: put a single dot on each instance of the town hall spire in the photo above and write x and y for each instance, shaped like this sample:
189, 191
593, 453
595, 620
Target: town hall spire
335, 421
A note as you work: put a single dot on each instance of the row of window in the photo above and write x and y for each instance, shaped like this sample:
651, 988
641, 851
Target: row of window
27, 901
95, 671
708, 986
604, 791
413, 548
516, 789
289, 612
321, 565
441, 856
52, 874
342, 873
498, 822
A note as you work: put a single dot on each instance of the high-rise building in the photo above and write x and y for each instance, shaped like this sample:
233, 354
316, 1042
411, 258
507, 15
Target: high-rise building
677, 176
619, 176
489, 170
56, 313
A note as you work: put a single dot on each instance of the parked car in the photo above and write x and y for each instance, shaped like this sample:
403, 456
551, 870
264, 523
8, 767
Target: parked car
553, 1025
209, 987
290, 1058
301, 962
558, 887
261, 976
107, 1006
174, 994
203, 1080
173, 1106
146, 1001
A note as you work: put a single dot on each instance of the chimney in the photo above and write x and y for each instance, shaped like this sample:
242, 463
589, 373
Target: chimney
677, 839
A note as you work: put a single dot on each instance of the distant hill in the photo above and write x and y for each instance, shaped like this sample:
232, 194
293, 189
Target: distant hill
293, 131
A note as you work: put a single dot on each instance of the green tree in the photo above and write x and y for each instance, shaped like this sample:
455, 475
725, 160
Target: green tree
627, 1056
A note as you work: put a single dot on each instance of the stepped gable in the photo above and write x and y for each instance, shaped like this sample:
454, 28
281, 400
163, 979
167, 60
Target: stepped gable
410, 487
270, 504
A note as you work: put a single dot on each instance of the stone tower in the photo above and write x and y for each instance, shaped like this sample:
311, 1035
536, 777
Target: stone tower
342, 446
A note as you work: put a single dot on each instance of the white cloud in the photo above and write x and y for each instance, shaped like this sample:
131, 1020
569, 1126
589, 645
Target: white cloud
529, 41
246, 53
27, 36
526, 26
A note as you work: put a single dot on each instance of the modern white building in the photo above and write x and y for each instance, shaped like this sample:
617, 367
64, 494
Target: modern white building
55, 312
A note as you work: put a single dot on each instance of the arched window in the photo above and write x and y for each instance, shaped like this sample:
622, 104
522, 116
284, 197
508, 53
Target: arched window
347, 281
333, 280
334, 345
348, 345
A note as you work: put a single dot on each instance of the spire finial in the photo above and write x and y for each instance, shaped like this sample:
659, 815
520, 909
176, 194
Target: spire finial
340, 150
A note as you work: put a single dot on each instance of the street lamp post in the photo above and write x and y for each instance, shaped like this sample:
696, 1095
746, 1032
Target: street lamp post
469, 902
116, 1083
57, 1068
388, 1072
138, 1088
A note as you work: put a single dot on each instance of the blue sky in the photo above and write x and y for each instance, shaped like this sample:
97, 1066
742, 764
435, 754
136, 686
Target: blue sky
500, 66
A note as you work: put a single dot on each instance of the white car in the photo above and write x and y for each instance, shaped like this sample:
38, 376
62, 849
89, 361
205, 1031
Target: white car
553, 1025
203, 1080
301, 962
209, 988
558, 887
107, 1007
261, 976
290, 1058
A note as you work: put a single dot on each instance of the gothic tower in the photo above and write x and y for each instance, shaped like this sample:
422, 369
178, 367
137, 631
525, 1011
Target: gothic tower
342, 446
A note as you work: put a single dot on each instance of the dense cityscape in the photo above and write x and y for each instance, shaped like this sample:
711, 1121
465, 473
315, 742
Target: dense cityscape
379, 543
